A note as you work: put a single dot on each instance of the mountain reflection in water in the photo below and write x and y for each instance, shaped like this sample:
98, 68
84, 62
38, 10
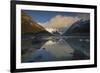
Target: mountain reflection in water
55, 49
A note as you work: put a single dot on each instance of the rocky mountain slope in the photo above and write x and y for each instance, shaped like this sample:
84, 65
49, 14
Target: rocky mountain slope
31, 27
79, 28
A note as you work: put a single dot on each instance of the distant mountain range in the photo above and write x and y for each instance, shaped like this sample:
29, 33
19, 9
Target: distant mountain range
59, 23
31, 27
81, 27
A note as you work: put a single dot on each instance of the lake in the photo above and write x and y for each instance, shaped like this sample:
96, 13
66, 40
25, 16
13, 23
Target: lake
55, 48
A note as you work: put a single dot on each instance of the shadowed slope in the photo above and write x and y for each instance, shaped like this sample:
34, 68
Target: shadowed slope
29, 25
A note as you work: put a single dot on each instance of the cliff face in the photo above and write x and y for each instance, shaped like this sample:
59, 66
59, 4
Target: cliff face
80, 27
28, 25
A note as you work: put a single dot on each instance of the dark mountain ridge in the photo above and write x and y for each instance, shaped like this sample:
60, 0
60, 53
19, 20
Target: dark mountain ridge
81, 27
30, 28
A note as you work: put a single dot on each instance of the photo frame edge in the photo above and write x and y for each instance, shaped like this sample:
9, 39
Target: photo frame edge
13, 37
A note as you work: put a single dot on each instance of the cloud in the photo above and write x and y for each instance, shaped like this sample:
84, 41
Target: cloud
84, 16
60, 21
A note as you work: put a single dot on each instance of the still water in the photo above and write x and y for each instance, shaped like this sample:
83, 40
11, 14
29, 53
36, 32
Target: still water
55, 48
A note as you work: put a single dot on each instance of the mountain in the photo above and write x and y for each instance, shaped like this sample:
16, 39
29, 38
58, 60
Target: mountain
28, 25
31, 27
81, 27
59, 23
55, 33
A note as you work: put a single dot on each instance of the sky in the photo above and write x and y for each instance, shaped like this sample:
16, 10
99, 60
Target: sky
45, 16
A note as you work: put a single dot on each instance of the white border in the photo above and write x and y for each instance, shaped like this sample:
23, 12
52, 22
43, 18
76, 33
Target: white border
20, 65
